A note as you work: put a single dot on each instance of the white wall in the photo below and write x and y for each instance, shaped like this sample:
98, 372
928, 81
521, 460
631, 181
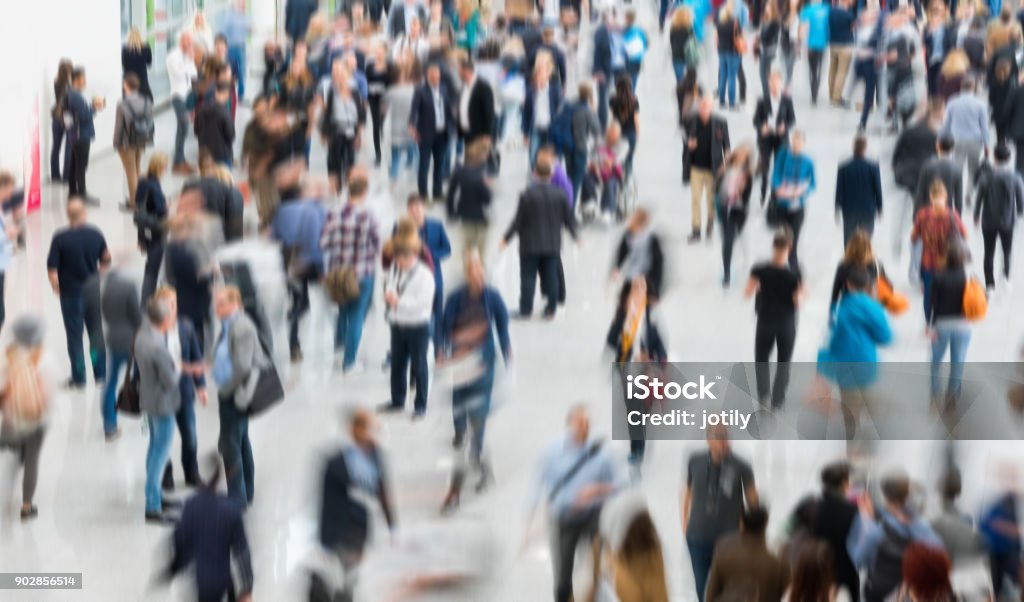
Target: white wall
34, 35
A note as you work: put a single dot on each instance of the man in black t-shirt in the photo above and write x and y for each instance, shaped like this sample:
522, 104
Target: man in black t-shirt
77, 253
778, 288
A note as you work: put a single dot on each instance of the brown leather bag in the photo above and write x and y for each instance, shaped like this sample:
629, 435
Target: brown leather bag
342, 284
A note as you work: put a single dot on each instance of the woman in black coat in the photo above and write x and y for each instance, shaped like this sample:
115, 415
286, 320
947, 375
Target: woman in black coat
136, 57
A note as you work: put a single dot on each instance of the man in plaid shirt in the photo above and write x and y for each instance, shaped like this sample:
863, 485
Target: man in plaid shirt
351, 238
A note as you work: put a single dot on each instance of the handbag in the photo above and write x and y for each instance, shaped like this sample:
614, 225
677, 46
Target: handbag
128, 396
342, 285
739, 42
262, 390
894, 302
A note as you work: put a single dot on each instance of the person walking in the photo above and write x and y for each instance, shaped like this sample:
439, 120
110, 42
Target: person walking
431, 118
947, 326
683, 42
779, 288
122, 316
942, 167
181, 70
474, 315
60, 171
577, 475
792, 183
409, 296
834, 519
159, 398
999, 203
470, 196
398, 104
728, 30
626, 110
351, 240
967, 123
136, 59
935, 228
814, 24
81, 133
210, 537
718, 483
476, 116
734, 185
150, 221
914, 147
707, 142
298, 225
341, 125
774, 117
25, 396
640, 253
634, 570
541, 214
840, 48
215, 128
134, 114
10, 232
540, 106
235, 27
743, 567
77, 252
432, 234
236, 354
858, 192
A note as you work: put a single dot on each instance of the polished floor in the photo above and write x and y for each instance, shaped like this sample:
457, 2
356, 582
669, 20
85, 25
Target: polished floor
91, 493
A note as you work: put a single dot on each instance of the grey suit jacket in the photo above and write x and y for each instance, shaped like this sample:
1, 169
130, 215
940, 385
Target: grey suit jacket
159, 393
246, 354
121, 311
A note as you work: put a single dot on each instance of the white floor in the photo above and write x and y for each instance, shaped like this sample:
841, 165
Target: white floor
90, 495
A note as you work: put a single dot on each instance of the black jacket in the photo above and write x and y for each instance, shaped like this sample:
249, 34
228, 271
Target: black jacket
719, 142
540, 216
481, 112
557, 54
345, 520
951, 174
859, 188
914, 147
554, 104
763, 114
1000, 199
138, 62
1015, 114
209, 535
396, 19
469, 195
421, 115
833, 521
215, 130
223, 201
655, 273
297, 14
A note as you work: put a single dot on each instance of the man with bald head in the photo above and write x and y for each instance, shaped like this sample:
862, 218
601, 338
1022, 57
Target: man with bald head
181, 70
77, 252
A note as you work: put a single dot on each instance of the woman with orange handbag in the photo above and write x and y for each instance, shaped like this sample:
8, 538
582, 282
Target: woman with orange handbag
860, 256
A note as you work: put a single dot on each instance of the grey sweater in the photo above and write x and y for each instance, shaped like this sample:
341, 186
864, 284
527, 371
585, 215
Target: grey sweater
159, 393
119, 303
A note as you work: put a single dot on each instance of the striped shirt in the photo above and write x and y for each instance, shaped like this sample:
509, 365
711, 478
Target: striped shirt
351, 238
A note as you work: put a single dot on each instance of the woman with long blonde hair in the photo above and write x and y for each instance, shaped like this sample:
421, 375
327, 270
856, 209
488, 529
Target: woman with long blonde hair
679, 38
136, 57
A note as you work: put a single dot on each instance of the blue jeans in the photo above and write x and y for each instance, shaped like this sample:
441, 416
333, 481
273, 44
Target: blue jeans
538, 139
117, 361
350, 322
58, 139
956, 338
72, 308
471, 404
236, 451
728, 66
411, 156
926, 285
161, 433
679, 68
236, 58
181, 115
701, 553
633, 69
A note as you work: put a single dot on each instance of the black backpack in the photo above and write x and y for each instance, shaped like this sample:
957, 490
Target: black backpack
886, 573
140, 127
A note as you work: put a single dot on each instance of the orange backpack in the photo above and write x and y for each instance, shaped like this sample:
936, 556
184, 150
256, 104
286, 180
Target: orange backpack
975, 300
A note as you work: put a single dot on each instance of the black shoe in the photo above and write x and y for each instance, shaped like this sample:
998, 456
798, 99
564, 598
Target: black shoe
29, 513
172, 503
167, 483
418, 415
160, 518
73, 385
376, 162
389, 408
457, 440
694, 237
296, 355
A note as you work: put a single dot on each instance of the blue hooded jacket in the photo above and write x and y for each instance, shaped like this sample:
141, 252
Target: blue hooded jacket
859, 326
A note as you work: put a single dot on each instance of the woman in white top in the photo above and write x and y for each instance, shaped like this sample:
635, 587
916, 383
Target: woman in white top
202, 35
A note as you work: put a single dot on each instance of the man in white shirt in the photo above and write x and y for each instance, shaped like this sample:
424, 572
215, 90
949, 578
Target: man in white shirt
181, 70
409, 295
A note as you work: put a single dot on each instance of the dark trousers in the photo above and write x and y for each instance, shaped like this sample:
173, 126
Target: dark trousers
602, 103
341, 155
3, 302
298, 289
853, 222
767, 147
795, 221
732, 225
378, 122
576, 166
701, 553
547, 267
780, 335
236, 451
409, 346
637, 432
1018, 146
814, 58
186, 420
866, 70
741, 79
989, 235
570, 530
79, 163
56, 167
72, 309
1003, 566
154, 259
432, 152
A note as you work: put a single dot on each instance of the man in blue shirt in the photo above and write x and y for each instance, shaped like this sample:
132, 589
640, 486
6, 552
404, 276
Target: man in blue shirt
578, 474
81, 132
433, 234
814, 22
840, 48
235, 27
298, 224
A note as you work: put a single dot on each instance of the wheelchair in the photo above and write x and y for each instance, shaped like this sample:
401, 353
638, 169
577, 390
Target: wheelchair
592, 198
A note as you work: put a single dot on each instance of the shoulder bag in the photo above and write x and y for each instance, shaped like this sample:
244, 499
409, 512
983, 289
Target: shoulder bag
263, 389
128, 396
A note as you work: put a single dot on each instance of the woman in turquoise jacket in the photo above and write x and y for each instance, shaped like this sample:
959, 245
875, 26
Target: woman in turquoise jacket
467, 26
792, 183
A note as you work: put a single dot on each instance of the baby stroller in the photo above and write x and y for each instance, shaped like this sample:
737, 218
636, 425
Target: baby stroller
608, 190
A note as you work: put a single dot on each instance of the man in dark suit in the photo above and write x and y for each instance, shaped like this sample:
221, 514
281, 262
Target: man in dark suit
540, 216
602, 69
914, 147
773, 118
476, 104
941, 167
297, 14
858, 192
430, 118
402, 14
547, 42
